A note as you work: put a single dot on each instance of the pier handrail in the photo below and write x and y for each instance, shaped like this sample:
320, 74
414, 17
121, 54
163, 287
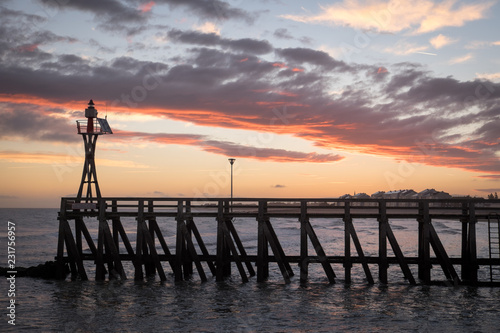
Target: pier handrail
81, 126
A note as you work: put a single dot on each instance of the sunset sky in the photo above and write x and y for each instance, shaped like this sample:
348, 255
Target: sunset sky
313, 99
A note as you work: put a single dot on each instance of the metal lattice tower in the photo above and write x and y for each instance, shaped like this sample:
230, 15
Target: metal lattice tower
90, 129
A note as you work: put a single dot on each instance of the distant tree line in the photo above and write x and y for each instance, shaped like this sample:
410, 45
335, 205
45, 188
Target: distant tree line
492, 196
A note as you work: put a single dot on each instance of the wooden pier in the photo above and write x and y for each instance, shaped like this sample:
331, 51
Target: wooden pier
151, 254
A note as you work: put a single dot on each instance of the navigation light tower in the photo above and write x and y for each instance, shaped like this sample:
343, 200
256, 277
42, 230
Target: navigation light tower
90, 130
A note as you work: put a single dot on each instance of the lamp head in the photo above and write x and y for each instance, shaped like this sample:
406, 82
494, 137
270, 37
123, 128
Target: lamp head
90, 111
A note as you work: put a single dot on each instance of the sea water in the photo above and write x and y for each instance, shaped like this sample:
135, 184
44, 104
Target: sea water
233, 306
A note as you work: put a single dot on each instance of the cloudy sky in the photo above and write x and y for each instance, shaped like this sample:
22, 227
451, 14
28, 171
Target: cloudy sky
313, 99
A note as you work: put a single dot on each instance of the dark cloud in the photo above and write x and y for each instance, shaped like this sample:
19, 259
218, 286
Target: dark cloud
137, 67
131, 18
10, 16
71, 59
125, 28
212, 9
28, 121
99, 48
2, 197
121, 17
28, 54
267, 154
112, 11
301, 55
306, 40
76, 81
229, 148
246, 45
166, 138
278, 186
194, 37
47, 37
282, 33
217, 81
249, 45
488, 190
68, 63
21, 39
490, 176
405, 111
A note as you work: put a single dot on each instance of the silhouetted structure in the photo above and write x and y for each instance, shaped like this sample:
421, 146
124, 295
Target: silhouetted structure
90, 129
112, 241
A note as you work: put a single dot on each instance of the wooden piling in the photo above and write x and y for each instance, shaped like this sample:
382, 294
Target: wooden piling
347, 242
308, 230
350, 232
399, 254
179, 243
444, 260
471, 254
262, 244
191, 226
383, 263
139, 274
424, 262
304, 253
241, 249
465, 241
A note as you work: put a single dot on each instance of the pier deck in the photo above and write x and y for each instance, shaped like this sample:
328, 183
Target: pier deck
150, 254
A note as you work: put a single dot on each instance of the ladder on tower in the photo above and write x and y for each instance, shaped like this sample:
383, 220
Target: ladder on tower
494, 245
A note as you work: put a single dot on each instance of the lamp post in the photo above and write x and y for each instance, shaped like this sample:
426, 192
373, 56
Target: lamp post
231, 161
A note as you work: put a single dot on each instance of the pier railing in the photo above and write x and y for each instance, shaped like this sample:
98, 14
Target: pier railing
151, 251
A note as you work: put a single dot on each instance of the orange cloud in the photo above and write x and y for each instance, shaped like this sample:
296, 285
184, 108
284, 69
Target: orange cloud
489, 176
489, 76
280, 65
285, 93
278, 92
27, 48
231, 149
277, 104
382, 70
146, 7
404, 48
163, 138
396, 16
441, 40
459, 60
29, 99
38, 158
336, 134
56, 159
